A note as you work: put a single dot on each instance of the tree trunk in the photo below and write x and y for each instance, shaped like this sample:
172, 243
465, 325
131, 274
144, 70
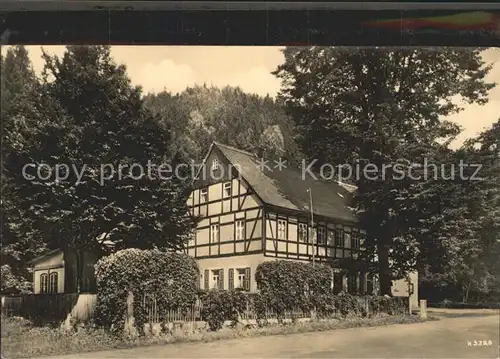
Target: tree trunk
79, 270
384, 272
465, 296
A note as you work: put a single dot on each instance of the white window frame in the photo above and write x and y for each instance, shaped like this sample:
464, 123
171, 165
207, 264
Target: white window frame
282, 228
239, 232
215, 164
214, 233
214, 278
347, 240
241, 278
355, 240
340, 232
330, 236
321, 235
53, 282
44, 283
227, 190
303, 232
203, 195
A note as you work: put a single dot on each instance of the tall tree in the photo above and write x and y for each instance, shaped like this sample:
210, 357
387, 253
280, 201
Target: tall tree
227, 115
379, 107
485, 152
19, 88
108, 149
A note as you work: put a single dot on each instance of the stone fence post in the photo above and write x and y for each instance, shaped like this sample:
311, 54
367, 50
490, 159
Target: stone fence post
129, 328
423, 309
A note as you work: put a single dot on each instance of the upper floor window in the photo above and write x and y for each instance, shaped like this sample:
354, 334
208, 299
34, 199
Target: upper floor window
362, 239
214, 233
44, 283
321, 235
281, 229
240, 229
331, 237
227, 190
302, 232
347, 239
204, 195
339, 238
355, 240
53, 281
215, 164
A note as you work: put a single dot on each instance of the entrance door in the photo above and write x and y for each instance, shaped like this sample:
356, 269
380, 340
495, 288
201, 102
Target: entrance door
337, 283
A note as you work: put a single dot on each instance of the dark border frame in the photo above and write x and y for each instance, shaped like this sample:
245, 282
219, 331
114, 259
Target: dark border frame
250, 23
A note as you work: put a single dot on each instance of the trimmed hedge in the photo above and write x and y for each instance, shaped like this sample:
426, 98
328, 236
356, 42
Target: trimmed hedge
220, 306
285, 285
172, 279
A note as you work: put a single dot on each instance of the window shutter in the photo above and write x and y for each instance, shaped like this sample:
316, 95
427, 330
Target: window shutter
247, 279
231, 278
206, 278
221, 279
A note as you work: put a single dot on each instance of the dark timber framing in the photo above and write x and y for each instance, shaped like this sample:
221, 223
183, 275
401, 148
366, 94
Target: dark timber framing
329, 248
232, 210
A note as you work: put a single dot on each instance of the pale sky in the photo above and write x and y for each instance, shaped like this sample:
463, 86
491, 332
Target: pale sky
174, 68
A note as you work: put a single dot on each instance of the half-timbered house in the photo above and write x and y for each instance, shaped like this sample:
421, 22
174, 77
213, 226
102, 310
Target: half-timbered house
253, 212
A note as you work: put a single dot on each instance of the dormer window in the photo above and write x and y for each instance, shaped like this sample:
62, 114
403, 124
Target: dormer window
215, 164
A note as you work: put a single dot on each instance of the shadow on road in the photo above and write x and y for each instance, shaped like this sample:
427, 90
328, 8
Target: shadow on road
458, 314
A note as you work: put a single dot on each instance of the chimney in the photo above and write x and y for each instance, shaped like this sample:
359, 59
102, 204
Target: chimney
259, 152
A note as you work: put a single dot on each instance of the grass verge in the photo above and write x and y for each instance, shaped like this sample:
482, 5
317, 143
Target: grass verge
22, 340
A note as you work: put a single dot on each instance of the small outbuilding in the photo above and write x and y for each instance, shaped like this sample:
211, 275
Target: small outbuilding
65, 271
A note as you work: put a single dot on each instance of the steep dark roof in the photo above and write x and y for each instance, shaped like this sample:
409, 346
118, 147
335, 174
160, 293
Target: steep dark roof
44, 256
287, 188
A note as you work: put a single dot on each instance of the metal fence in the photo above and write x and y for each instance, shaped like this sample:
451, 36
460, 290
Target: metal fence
48, 308
194, 313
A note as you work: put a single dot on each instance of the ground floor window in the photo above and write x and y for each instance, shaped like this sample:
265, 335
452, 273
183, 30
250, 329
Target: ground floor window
352, 284
53, 282
213, 279
369, 284
337, 283
239, 278
44, 283
362, 283
49, 282
217, 279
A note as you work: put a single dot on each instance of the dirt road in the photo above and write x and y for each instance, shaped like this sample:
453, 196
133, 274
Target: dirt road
457, 335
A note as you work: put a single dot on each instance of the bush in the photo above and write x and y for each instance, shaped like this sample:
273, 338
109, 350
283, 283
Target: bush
172, 279
221, 305
388, 305
348, 304
22, 339
286, 285
459, 305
